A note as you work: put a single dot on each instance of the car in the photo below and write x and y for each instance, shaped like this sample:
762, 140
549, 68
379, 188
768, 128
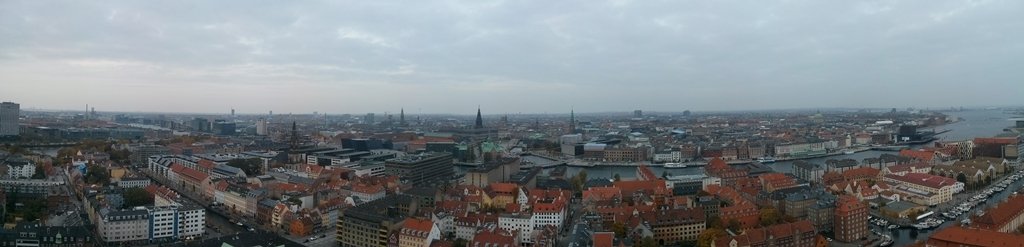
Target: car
323, 235
252, 229
312, 238
239, 224
307, 241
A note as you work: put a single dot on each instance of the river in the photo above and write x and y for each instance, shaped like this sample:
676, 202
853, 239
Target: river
975, 123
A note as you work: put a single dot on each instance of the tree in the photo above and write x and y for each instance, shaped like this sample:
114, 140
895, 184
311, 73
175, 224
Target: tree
709, 235
648, 242
664, 174
770, 216
715, 222
461, 243
97, 175
582, 175
134, 197
733, 225
620, 229
961, 178
250, 166
40, 172
617, 177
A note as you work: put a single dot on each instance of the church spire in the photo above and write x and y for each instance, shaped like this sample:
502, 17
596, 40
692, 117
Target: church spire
479, 119
572, 121
401, 117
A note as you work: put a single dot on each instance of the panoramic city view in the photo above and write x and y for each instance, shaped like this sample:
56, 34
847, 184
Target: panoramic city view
511, 123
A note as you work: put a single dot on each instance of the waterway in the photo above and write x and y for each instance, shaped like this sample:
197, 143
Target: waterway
974, 123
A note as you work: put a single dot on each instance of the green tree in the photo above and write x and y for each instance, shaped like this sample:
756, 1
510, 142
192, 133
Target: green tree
582, 175
134, 197
250, 166
770, 216
715, 222
733, 225
620, 229
648, 242
961, 178
96, 174
617, 177
709, 235
40, 172
461, 243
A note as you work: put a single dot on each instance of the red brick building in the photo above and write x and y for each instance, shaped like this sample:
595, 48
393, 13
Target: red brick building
851, 219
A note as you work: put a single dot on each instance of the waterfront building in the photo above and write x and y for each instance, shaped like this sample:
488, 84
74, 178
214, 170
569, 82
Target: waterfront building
928, 189
957, 236
808, 171
1006, 217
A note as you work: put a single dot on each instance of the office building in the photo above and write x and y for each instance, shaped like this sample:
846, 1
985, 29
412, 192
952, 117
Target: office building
261, 127
370, 224
9, 113
422, 169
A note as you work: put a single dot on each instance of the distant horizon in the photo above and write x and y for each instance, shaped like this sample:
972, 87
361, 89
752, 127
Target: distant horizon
485, 113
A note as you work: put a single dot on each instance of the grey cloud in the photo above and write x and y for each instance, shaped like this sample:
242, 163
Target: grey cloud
513, 56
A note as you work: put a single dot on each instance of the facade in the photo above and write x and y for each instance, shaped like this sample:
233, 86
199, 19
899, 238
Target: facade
133, 183
123, 226
9, 113
370, 224
18, 167
418, 232
808, 171
678, 225
422, 169
931, 189
851, 219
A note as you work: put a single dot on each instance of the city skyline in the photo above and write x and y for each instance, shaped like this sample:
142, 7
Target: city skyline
451, 57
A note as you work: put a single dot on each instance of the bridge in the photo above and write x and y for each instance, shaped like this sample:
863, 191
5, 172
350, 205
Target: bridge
48, 144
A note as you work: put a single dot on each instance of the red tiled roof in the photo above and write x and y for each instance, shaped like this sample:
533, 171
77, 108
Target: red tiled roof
959, 236
997, 217
602, 193
656, 187
604, 239
504, 188
924, 179
189, 173
421, 225
995, 140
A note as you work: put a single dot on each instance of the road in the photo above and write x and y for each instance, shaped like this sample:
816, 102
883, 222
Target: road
217, 224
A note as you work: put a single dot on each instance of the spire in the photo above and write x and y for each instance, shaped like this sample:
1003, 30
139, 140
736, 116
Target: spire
401, 117
572, 121
479, 119
295, 136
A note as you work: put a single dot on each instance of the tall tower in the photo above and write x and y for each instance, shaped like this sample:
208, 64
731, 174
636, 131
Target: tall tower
479, 120
295, 136
572, 121
401, 117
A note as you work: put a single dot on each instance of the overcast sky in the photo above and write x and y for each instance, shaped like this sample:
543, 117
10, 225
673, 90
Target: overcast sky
509, 56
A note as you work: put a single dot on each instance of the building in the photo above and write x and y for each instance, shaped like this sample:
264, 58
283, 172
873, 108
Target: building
797, 234
123, 226
930, 189
851, 219
35, 234
261, 127
18, 168
808, 171
957, 236
140, 153
369, 224
133, 182
9, 113
418, 232
1006, 217
422, 169
492, 172
677, 225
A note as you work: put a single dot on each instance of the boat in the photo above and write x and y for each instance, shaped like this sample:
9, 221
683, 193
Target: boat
766, 160
849, 152
675, 165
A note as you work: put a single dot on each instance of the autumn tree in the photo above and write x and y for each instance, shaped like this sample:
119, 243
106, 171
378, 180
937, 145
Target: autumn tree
708, 236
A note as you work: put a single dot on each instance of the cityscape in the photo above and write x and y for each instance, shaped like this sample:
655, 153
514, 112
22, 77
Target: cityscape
511, 123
